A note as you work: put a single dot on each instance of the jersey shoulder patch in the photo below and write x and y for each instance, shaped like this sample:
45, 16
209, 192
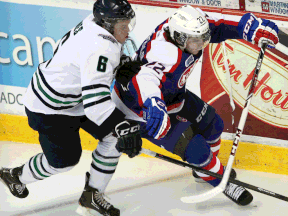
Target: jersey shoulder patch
108, 37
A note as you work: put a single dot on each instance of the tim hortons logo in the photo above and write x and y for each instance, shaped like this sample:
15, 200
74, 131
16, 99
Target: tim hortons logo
270, 99
185, 75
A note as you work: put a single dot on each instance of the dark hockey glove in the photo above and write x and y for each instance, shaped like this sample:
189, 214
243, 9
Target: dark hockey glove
129, 139
126, 71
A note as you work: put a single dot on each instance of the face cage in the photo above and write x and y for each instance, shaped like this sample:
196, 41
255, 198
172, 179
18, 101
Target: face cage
204, 37
180, 38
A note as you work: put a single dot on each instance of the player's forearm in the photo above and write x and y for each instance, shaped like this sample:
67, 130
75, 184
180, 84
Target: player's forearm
106, 116
149, 86
222, 29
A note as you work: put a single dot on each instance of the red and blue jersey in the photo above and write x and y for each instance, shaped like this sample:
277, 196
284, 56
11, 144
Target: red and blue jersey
166, 67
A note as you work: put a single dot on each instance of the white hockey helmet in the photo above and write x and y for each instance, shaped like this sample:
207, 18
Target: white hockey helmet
188, 22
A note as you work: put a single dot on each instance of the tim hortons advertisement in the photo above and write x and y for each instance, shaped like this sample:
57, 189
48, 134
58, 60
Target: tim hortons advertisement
268, 112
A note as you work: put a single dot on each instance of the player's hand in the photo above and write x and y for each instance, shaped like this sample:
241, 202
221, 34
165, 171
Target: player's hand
258, 30
129, 139
158, 121
126, 70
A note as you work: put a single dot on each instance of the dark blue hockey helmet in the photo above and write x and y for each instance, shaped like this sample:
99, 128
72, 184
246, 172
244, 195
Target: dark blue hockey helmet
108, 12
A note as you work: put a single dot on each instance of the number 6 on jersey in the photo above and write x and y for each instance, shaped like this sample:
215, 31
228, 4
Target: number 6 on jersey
102, 63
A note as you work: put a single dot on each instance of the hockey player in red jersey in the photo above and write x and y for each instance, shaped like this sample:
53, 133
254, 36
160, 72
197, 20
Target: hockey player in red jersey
156, 95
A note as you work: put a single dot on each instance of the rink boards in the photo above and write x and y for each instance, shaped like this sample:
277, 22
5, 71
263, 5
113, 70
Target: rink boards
250, 156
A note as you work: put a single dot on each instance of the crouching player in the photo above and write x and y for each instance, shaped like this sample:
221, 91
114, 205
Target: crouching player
152, 90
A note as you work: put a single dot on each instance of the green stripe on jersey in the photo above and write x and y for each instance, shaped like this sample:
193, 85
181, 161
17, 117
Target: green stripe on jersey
53, 99
85, 97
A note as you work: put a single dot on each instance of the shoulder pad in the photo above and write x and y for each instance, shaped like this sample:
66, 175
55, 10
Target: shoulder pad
164, 52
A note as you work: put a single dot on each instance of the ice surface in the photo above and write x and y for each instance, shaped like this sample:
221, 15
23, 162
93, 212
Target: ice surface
141, 186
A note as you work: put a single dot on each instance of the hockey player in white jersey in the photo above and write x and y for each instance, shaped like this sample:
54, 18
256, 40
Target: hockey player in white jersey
72, 91
156, 91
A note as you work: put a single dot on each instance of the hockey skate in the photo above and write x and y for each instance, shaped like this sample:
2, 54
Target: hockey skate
198, 179
10, 177
238, 194
92, 202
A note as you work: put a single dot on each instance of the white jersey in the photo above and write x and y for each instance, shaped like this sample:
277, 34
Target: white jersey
76, 81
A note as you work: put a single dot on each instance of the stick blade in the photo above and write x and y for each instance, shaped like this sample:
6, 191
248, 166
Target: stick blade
202, 197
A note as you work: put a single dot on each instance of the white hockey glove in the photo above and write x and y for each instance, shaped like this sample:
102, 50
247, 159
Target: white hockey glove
258, 30
158, 121
129, 139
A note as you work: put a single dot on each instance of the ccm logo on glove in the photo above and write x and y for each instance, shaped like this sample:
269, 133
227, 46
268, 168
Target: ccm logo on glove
129, 139
247, 27
128, 130
161, 104
158, 121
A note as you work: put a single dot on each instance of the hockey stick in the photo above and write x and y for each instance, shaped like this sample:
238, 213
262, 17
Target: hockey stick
229, 84
282, 48
221, 187
216, 175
